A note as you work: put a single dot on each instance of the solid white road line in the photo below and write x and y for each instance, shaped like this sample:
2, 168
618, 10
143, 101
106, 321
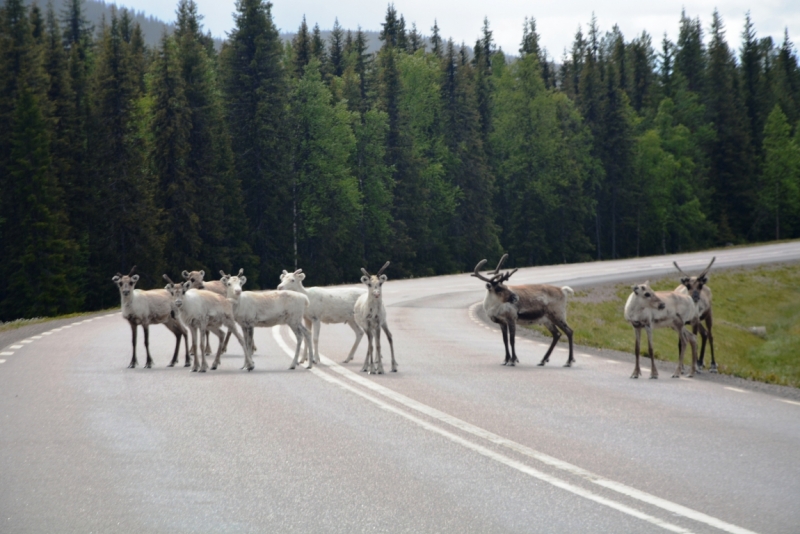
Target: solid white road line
737, 390
510, 462
527, 451
789, 402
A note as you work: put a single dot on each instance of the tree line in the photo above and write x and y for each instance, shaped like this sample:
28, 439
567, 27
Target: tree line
316, 154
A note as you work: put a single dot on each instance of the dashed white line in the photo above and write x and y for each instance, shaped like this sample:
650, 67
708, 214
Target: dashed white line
26, 341
789, 402
737, 390
47, 333
36, 337
611, 361
15, 347
2, 361
6, 353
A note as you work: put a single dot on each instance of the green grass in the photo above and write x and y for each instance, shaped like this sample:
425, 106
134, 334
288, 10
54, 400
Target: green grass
766, 296
19, 323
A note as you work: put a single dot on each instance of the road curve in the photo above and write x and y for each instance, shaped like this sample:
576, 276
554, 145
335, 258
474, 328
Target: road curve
453, 442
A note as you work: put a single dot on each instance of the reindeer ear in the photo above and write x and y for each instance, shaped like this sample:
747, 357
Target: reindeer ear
242, 280
301, 276
383, 278
284, 273
202, 274
635, 289
116, 278
135, 278
685, 280
185, 274
365, 280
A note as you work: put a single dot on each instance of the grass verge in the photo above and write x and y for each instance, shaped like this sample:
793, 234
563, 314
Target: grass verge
19, 323
765, 296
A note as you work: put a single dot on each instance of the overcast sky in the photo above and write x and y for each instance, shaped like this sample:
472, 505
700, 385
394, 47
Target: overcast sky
557, 21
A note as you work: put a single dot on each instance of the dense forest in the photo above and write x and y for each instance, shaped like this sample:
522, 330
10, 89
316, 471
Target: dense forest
318, 154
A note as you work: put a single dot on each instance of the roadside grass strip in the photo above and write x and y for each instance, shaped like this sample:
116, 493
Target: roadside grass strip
495, 439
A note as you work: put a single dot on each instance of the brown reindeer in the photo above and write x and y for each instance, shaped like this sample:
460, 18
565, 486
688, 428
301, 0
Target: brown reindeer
695, 286
525, 304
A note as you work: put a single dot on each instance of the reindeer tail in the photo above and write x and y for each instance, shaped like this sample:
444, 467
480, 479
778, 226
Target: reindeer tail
568, 292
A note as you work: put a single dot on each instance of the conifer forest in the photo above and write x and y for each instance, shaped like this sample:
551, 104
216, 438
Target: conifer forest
317, 154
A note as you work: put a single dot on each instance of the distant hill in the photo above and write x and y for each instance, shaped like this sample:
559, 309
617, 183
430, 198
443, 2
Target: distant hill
153, 28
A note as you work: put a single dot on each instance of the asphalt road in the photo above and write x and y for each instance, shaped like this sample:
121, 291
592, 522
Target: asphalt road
453, 442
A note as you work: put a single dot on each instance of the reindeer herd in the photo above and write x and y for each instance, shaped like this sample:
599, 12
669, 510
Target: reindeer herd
206, 307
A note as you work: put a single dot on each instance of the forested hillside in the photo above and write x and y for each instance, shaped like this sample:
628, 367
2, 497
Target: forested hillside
318, 154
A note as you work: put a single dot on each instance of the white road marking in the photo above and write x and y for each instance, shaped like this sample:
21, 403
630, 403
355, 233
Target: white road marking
6, 353
789, 402
737, 390
612, 361
628, 491
36, 337
26, 341
510, 462
47, 333
15, 347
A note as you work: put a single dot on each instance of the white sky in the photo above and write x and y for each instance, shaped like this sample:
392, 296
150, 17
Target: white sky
556, 22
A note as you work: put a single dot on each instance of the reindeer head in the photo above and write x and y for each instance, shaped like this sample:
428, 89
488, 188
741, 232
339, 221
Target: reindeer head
648, 296
495, 284
126, 283
177, 291
694, 284
195, 278
292, 281
233, 284
374, 282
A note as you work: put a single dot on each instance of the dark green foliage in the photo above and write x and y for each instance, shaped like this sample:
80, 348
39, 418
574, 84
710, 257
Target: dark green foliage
255, 95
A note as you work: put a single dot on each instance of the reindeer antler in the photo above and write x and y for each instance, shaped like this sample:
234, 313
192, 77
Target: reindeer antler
506, 276
222, 273
675, 263
298, 271
241, 271
385, 265
363, 270
478, 275
705, 271
168, 279
500, 263
132, 269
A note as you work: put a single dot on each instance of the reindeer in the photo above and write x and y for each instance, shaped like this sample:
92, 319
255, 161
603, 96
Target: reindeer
326, 305
525, 304
204, 310
196, 280
370, 314
650, 309
146, 308
701, 295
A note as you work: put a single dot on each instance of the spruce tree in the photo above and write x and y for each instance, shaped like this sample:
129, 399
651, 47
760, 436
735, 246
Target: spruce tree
779, 194
255, 95
337, 47
301, 48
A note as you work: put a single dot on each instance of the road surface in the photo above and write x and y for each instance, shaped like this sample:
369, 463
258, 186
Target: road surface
453, 442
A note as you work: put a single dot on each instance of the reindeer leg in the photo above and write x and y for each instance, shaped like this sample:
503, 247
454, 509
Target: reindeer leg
682, 335
146, 328
504, 328
132, 365
636, 370
697, 326
196, 365
359, 334
178, 337
316, 326
225, 345
512, 334
567, 330
185, 336
556, 335
693, 340
221, 335
653, 371
368, 359
391, 346
709, 322
378, 355
309, 355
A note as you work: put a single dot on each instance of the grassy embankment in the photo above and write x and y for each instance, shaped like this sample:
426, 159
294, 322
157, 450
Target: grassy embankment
767, 296
19, 323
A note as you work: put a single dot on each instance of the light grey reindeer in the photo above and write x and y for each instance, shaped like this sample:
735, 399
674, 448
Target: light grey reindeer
650, 309
697, 288
370, 314
525, 304
145, 308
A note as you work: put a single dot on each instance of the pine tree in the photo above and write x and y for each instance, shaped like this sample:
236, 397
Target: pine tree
123, 221
690, 54
255, 95
779, 194
752, 65
39, 276
337, 47
436, 40
415, 41
301, 47
731, 170
318, 49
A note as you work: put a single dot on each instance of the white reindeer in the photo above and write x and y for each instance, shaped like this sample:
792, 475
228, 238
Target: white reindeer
370, 314
196, 280
204, 311
525, 304
650, 309
328, 305
146, 308
267, 309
